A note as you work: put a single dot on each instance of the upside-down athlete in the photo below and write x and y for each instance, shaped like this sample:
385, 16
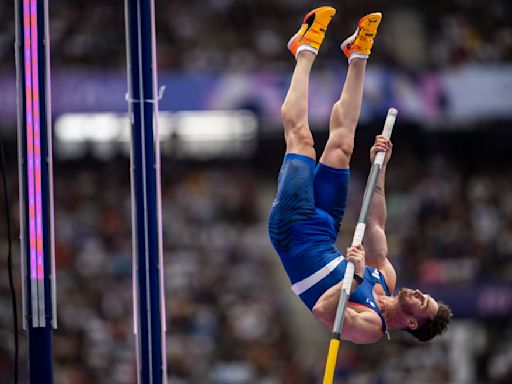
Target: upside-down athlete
311, 198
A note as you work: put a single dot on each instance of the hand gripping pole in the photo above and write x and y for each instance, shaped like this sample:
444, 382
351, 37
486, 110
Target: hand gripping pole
357, 239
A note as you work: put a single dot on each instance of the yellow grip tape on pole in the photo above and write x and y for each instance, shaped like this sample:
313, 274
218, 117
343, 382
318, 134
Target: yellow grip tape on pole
330, 364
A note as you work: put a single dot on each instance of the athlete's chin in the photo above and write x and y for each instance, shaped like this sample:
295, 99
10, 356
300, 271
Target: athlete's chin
402, 298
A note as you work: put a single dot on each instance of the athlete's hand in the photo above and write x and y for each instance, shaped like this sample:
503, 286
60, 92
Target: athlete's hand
381, 145
355, 254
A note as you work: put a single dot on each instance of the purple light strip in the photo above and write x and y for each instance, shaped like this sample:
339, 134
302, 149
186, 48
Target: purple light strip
37, 140
33, 139
30, 131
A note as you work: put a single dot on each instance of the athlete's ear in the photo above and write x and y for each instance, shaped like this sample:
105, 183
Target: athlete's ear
412, 323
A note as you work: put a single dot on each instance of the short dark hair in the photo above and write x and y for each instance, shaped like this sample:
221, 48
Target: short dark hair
433, 327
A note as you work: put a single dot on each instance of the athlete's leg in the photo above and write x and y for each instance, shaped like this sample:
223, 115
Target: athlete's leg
344, 118
304, 45
345, 113
332, 173
294, 111
293, 210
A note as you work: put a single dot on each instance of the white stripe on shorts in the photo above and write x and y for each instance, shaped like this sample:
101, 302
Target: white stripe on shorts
302, 286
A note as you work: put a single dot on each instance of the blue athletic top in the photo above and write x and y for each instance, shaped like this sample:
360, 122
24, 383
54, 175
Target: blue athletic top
364, 293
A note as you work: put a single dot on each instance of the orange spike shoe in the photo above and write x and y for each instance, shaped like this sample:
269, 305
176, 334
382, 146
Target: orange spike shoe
312, 31
361, 42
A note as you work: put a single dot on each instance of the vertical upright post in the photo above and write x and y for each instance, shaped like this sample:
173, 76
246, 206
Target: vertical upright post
36, 184
149, 303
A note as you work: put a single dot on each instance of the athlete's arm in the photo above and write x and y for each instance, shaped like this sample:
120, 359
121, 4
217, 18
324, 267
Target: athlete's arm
358, 327
375, 241
375, 238
361, 327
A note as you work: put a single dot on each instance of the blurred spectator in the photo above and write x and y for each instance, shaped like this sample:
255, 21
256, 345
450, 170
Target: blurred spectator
226, 318
218, 35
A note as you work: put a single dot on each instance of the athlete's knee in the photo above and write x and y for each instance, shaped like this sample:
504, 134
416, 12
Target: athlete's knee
299, 137
341, 119
296, 128
293, 117
341, 140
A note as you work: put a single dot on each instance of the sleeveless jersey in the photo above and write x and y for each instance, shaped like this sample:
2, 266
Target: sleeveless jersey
363, 295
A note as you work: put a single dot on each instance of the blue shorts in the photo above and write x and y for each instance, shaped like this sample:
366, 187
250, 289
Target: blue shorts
305, 219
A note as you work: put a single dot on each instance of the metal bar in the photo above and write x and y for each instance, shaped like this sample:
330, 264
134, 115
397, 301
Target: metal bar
29, 148
20, 86
154, 283
49, 166
36, 154
36, 184
149, 314
357, 239
144, 255
156, 135
133, 89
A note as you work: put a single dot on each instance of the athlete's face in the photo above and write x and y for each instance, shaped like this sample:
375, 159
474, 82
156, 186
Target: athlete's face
417, 304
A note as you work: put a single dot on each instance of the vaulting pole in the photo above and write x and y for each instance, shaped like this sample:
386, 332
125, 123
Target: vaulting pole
334, 344
149, 303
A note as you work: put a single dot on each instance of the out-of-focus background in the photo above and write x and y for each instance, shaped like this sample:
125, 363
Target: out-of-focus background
232, 319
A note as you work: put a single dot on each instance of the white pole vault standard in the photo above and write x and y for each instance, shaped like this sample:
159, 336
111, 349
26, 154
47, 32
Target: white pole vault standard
148, 288
36, 185
357, 239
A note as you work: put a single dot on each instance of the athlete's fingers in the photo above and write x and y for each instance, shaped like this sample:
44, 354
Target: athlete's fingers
379, 148
381, 139
358, 261
355, 252
356, 257
382, 146
359, 247
355, 248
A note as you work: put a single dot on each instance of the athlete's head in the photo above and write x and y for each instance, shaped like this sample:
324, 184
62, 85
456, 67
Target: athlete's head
426, 317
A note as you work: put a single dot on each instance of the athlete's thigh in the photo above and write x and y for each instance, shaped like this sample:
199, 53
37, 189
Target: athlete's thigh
331, 191
294, 204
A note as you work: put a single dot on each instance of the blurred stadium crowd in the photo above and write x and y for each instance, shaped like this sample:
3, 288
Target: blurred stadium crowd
230, 320
225, 321
218, 35
228, 313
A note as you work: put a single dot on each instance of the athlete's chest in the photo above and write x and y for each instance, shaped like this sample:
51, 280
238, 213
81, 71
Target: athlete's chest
366, 297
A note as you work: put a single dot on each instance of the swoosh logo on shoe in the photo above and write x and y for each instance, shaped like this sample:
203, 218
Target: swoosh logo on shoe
309, 21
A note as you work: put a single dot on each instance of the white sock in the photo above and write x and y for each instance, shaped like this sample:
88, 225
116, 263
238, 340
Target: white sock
358, 55
306, 47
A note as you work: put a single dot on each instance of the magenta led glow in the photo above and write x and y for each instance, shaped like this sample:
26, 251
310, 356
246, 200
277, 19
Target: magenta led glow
33, 139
